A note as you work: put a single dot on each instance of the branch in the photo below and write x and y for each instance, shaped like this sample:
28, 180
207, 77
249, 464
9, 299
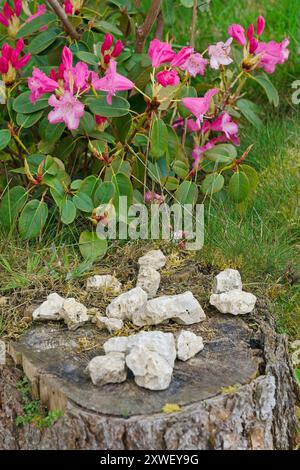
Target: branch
60, 12
159, 27
194, 23
144, 30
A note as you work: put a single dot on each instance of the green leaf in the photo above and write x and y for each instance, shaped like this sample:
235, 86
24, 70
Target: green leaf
87, 123
122, 126
187, 3
154, 171
23, 105
104, 193
50, 132
117, 166
239, 187
187, 193
251, 174
68, 211
222, 153
268, 87
159, 138
10, 206
123, 187
297, 375
87, 57
212, 183
35, 24
249, 110
91, 246
43, 40
181, 169
119, 106
107, 27
88, 185
168, 12
83, 202
5, 137
28, 120
32, 219
171, 183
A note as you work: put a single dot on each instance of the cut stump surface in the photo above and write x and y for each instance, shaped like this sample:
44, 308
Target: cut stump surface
238, 393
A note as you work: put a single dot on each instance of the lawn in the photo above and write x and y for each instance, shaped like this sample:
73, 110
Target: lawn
262, 242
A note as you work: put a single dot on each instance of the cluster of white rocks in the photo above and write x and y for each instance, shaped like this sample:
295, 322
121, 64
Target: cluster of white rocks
228, 295
150, 356
56, 307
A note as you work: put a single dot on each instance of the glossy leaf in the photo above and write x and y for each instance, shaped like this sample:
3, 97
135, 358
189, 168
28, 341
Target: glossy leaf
32, 219
91, 246
239, 187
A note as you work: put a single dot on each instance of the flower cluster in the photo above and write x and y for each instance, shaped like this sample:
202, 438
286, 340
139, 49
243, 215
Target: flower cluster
109, 50
265, 55
10, 61
10, 18
73, 6
69, 84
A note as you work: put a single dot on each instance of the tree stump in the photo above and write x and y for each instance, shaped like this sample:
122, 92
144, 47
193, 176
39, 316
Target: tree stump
238, 393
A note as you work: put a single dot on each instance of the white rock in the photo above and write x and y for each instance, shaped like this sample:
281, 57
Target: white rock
49, 310
103, 282
117, 344
149, 280
182, 308
236, 302
227, 280
150, 369
74, 313
153, 259
110, 324
188, 345
157, 341
107, 369
125, 305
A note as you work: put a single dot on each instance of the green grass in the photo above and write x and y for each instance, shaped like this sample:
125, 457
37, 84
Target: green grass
264, 243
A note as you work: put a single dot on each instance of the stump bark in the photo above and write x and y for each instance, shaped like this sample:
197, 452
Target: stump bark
238, 393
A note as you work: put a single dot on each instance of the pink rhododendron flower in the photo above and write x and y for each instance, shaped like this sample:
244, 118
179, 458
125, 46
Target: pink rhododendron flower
260, 25
107, 52
224, 123
10, 17
219, 54
168, 77
69, 9
182, 56
72, 7
41, 9
67, 109
107, 43
198, 152
199, 106
153, 197
100, 119
237, 32
39, 84
112, 82
195, 65
253, 44
10, 61
272, 53
250, 32
191, 125
160, 52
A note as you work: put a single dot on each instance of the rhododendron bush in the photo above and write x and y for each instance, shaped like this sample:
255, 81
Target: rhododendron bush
91, 111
